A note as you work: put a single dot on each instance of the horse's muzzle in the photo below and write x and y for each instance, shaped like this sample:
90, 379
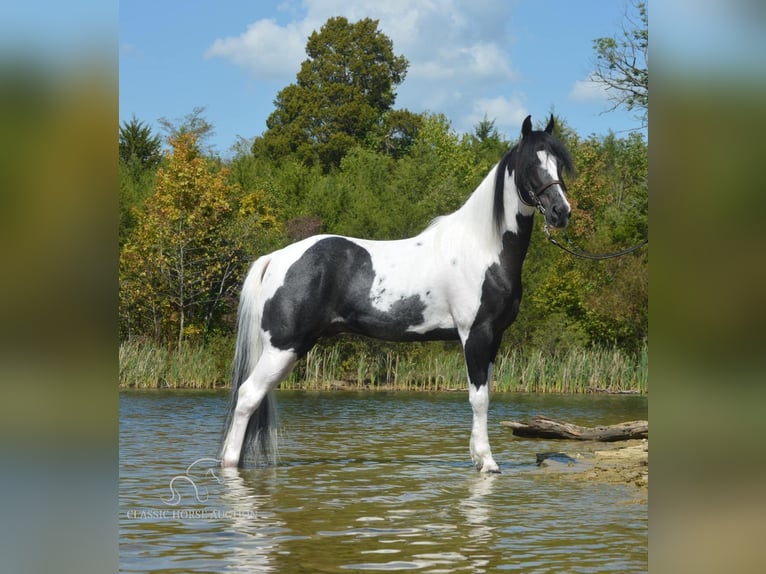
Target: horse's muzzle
558, 216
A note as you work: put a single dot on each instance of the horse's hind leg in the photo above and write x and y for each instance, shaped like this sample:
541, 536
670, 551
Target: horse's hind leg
272, 367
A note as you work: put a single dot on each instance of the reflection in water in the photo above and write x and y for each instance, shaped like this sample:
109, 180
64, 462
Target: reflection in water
249, 517
476, 508
367, 482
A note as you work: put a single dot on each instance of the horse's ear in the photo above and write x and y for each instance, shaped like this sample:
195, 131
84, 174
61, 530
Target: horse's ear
526, 127
549, 127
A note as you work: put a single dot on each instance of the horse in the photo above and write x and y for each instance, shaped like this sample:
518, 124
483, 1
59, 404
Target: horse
459, 279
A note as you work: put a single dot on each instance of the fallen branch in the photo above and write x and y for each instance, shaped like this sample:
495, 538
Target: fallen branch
543, 427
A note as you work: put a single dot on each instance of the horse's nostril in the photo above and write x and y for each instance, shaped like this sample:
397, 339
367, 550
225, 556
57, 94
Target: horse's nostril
559, 215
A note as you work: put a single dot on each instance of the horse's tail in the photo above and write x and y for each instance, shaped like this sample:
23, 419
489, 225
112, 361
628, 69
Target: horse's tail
260, 437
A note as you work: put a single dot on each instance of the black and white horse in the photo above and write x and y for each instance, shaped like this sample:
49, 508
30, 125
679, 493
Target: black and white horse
460, 279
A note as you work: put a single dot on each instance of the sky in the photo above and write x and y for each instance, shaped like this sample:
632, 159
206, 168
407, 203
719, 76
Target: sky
467, 59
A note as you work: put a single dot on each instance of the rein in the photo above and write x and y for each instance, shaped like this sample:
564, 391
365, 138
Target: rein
585, 254
576, 251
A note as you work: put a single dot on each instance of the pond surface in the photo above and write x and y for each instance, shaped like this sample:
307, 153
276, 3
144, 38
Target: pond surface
370, 482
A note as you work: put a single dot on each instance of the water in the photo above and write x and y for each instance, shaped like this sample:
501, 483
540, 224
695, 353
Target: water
370, 482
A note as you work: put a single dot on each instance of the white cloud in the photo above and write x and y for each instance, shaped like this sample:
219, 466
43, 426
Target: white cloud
507, 113
472, 62
588, 91
488, 60
457, 49
265, 49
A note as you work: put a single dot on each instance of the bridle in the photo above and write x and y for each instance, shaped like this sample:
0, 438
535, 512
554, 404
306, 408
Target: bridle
535, 196
534, 201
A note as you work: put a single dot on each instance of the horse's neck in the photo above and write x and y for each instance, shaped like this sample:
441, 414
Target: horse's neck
476, 224
515, 232
478, 212
516, 243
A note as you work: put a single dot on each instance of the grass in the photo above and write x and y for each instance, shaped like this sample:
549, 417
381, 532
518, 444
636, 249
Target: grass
147, 365
414, 367
577, 371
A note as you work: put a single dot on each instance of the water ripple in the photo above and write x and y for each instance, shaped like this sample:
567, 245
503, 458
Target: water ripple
358, 492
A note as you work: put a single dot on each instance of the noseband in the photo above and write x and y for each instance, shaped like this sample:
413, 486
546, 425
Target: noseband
534, 197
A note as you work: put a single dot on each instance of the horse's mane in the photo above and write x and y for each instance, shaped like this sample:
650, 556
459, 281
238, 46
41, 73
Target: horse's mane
499, 201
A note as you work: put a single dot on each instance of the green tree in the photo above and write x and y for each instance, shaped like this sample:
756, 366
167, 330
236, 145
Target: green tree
604, 303
460, 171
185, 261
194, 124
488, 145
341, 92
138, 147
140, 154
395, 133
622, 62
616, 304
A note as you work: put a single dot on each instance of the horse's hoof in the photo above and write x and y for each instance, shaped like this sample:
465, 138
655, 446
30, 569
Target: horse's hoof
229, 463
488, 468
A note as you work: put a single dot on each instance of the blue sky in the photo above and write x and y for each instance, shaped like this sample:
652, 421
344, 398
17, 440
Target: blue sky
502, 58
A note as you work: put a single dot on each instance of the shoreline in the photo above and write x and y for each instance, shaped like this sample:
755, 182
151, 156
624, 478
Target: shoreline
352, 387
625, 462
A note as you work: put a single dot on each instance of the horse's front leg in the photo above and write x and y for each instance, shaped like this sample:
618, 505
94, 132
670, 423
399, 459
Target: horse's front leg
479, 354
481, 454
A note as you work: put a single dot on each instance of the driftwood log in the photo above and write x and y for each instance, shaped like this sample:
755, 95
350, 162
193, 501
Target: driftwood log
543, 427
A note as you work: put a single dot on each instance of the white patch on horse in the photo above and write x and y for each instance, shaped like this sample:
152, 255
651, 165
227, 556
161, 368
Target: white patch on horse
481, 453
399, 277
551, 167
512, 203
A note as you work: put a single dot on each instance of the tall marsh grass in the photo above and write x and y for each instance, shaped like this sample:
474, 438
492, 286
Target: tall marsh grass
147, 365
417, 367
576, 371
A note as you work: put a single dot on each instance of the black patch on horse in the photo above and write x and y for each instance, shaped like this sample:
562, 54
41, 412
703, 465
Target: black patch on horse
327, 291
500, 298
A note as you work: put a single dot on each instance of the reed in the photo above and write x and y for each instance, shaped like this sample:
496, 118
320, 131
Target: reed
427, 367
575, 371
148, 365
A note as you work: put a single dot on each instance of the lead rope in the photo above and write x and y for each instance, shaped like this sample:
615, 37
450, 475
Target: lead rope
579, 253
585, 254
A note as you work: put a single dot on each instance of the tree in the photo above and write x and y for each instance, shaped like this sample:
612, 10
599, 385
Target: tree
341, 91
190, 248
138, 147
622, 62
193, 123
395, 132
140, 154
487, 143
